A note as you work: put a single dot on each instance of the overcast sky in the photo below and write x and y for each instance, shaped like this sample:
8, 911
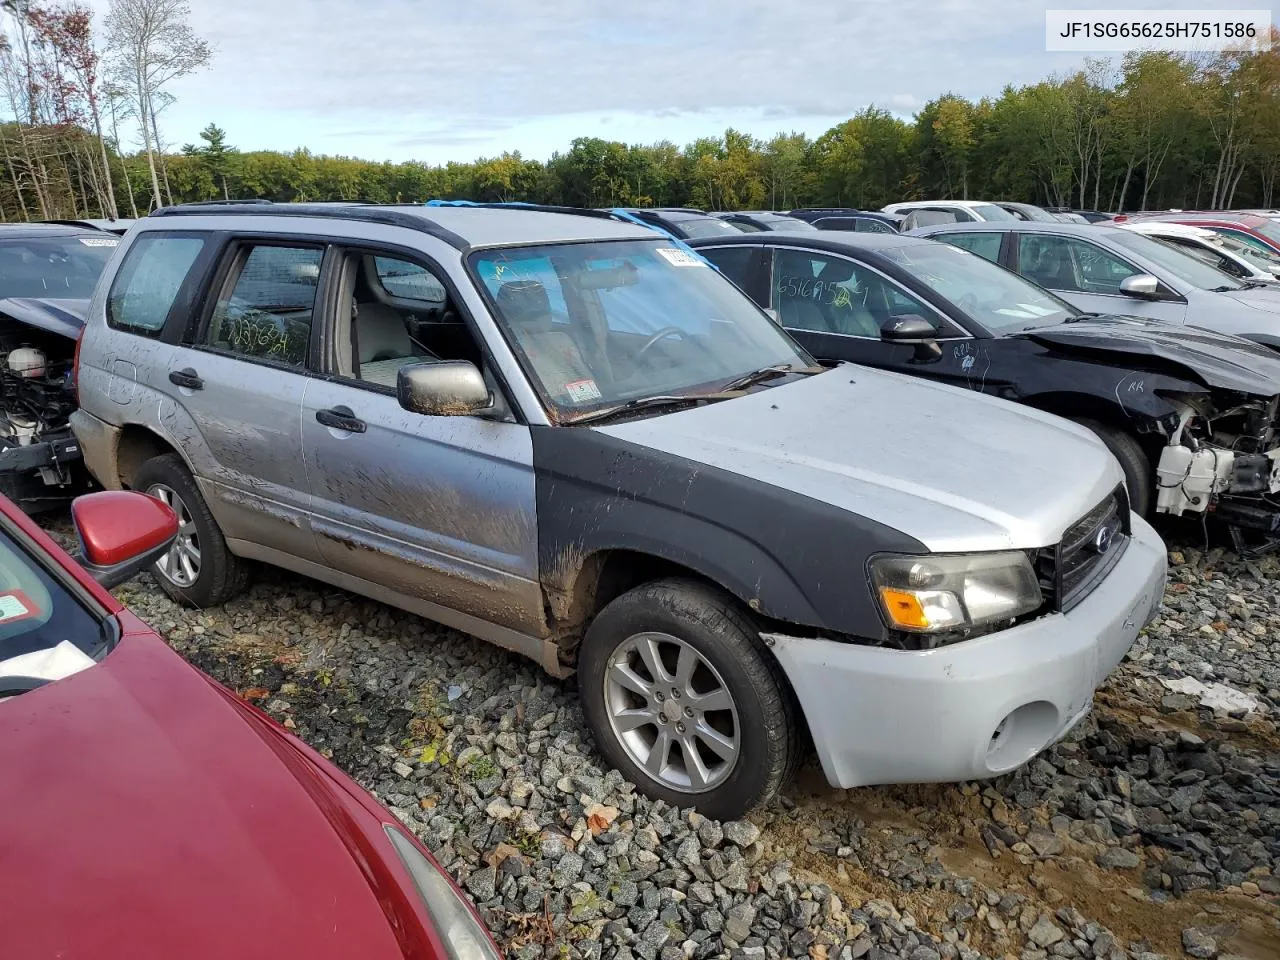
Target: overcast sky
437, 81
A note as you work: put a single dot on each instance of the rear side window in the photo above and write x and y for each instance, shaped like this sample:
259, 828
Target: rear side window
408, 281
147, 285
266, 306
985, 245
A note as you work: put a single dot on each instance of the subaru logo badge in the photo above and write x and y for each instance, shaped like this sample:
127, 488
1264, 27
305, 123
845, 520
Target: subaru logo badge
1102, 539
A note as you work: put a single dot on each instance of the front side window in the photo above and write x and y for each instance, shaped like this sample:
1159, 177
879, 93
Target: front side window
985, 245
823, 293
408, 281
148, 282
596, 324
994, 297
733, 262
1066, 263
265, 310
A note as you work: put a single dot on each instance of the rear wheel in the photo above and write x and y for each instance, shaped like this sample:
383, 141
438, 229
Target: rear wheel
1133, 461
198, 570
682, 697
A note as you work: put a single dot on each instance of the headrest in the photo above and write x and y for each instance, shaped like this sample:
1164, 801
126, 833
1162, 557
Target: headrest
836, 271
524, 303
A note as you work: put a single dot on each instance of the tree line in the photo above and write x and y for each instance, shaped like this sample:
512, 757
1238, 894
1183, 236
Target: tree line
1156, 130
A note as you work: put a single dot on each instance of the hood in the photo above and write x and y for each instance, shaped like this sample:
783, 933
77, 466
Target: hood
1266, 297
954, 469
145, 817
63, 317
1216, 359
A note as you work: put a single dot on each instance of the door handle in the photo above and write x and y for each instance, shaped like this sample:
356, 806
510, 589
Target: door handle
186, 378
341, 418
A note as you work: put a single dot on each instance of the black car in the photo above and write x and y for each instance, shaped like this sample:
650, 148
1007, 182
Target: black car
1191, 415
1089, 216
756, 221
47, 275
683, 222
848, 218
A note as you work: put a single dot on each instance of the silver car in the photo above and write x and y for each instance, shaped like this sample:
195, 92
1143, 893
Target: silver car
576, 439
1106, 269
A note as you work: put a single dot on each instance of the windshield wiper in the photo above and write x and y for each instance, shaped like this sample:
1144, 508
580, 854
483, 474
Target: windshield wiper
757, 376
1253, 285
1227, 289
642, 403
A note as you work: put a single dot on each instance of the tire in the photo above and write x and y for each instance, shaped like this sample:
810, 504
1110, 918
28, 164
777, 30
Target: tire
219, 575
1133, 461
731, 662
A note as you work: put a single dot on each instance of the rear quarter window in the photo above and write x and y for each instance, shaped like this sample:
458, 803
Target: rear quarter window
145, 288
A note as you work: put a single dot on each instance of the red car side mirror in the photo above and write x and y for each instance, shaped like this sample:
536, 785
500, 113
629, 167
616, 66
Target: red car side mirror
121, 533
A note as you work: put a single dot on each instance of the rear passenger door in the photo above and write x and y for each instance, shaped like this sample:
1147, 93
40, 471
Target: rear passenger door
234, 392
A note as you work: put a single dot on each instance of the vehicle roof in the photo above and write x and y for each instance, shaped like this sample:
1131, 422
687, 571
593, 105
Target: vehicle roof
1203, 216
29, 231
463, 226
1166, 227
910, 204
1041, 226
834, 240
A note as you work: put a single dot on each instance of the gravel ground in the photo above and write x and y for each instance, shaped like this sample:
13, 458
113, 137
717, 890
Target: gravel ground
1153, 831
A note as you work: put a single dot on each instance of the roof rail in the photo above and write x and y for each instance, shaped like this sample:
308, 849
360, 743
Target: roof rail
521, 205
83, 224
365, 214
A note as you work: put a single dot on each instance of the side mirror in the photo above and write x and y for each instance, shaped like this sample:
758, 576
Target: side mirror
1141, 285
913, 329
445, 388
121, 533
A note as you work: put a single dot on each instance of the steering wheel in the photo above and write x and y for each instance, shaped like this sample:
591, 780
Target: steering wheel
660, 335
12, 686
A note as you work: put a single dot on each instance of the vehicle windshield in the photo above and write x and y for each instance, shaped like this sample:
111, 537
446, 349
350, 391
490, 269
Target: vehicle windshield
1032, 212
45, 632
999, 300
989, 211
1182, 265
1255, 255
787, 223
1270, 229
704, 227
60, 268
598, 324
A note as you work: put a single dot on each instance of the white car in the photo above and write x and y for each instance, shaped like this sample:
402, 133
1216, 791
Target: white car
1228, 254
925, 213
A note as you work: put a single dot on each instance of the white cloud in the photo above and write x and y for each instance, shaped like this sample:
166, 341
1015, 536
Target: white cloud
444, 78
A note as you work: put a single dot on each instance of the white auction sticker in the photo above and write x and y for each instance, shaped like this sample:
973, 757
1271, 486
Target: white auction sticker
583, 391
100, 241
1119, 31
16, 605
680, 258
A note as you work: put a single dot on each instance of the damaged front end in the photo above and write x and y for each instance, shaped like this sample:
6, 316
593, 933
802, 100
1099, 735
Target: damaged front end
40, 461
1222, 457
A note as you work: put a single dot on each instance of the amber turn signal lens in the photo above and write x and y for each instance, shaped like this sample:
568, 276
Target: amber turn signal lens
904, 609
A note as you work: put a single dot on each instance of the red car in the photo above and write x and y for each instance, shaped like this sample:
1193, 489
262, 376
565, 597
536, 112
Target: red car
1260, 232
149, 813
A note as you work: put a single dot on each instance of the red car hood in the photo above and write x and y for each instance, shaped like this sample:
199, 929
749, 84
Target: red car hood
144, 814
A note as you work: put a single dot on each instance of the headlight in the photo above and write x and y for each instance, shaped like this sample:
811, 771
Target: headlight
935, 594
463, 936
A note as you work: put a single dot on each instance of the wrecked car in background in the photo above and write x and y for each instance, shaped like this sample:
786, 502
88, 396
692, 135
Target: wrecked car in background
1190, 414
47, 275
572, 437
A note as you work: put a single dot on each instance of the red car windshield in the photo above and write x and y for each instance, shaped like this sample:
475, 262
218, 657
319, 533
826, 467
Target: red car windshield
46, 633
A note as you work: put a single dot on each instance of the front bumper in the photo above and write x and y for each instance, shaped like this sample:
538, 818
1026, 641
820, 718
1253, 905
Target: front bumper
978, 708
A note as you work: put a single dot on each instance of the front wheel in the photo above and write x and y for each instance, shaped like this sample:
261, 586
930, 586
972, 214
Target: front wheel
1133, 461
682, 698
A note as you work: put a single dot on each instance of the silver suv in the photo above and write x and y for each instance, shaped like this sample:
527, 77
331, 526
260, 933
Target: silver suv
576, 439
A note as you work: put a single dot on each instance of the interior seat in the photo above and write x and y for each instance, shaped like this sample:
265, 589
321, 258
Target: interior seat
384, 343
554, 354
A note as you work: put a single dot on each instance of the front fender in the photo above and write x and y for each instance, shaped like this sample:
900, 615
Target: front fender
787, 556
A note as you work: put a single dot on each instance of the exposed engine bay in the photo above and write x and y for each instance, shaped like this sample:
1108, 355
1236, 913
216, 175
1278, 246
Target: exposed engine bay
1224, 460
39, 455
